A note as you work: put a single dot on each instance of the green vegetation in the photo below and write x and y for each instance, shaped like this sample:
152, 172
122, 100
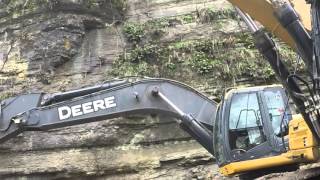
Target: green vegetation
143, 60
188, 18
210, 14
17, 8
120, 5
134, 32
6, 94
291, 59
229, 62
228, 58
171, 21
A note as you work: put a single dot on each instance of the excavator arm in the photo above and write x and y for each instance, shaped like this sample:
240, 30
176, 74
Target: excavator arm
263, 12
39, 112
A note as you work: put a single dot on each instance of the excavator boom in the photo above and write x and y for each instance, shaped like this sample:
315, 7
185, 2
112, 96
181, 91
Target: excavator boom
195, 111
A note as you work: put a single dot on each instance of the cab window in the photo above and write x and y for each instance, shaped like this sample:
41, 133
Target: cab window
277, 111
245, 122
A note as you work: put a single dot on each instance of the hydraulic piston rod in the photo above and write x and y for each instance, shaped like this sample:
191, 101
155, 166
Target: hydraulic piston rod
190, 124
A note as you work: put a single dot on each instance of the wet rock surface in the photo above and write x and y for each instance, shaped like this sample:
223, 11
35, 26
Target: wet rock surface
61, 45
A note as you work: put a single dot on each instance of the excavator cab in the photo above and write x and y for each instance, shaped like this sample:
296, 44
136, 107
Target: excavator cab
251, 123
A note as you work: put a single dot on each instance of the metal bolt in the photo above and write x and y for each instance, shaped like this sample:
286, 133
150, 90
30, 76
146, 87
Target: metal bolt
136, 95
155, 91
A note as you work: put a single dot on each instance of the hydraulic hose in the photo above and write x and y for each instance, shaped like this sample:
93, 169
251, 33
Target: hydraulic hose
290, 20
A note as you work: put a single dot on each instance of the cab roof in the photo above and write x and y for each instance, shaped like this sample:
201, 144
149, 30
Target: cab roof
242, 89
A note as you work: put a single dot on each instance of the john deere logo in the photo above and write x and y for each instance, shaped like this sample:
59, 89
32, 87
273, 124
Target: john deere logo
66, 112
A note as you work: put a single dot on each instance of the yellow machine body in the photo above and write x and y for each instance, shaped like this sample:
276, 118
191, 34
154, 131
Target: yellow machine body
302, 148
302, 145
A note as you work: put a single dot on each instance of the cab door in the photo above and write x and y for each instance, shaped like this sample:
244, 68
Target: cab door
247, 127
279, 114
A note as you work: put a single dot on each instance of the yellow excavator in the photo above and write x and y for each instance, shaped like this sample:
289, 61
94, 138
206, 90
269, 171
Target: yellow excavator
263, 133
251, 129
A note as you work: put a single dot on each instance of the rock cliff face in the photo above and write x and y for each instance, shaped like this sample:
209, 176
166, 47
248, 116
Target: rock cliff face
65, 44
